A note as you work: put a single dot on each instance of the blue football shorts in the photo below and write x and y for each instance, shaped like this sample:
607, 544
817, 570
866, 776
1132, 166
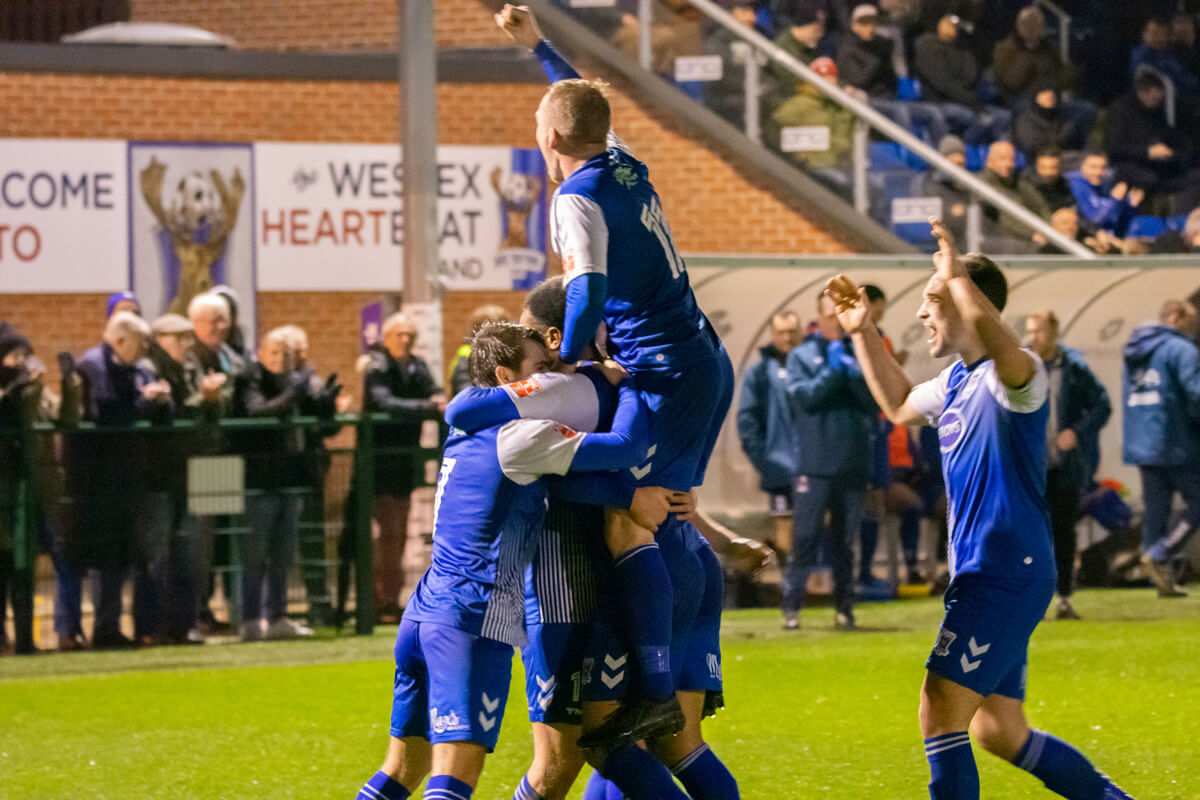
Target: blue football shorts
983, 643
451, 686
553, 661
687, 410
698, 587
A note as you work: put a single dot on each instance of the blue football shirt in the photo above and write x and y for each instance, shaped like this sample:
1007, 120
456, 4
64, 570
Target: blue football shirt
993, 444
607, 218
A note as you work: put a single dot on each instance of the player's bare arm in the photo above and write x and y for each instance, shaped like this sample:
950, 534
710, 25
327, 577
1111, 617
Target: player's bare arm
889, 384
1014, 366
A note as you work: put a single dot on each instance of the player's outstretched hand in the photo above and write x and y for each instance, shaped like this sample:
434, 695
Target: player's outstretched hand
650, 506
850, 302
946, 263
519, 23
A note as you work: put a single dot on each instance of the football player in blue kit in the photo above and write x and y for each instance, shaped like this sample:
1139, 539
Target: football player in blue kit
990, 410
568, 579
621, 267
454, 645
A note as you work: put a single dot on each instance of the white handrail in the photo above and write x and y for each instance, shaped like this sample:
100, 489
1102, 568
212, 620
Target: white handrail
884, 125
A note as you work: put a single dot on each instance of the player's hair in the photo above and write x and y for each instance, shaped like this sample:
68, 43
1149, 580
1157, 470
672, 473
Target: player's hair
984, 273
580, 113
498, 344
547, 304
874, 293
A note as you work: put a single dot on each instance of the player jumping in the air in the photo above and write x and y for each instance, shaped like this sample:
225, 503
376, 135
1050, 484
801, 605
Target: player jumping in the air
990, 410
454, 645
621, 267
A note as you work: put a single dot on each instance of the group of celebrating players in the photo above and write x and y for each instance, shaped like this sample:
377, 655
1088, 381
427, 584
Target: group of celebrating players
563, 503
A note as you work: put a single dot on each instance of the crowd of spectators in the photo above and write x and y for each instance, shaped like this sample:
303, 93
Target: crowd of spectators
978, 76
111, 504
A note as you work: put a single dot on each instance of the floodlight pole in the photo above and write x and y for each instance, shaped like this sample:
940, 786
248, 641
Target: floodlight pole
417, 57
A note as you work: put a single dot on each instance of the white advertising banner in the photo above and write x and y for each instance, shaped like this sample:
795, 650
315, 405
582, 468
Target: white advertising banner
63, 216
329, 217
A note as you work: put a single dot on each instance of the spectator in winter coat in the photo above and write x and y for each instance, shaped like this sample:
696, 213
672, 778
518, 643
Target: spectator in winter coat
809, 107
765, 426
1042, 187
1079, 408
1145, 151
397, 383
1042, 124
1156, 52
1161, 395
105, 473
949, 77
835, 420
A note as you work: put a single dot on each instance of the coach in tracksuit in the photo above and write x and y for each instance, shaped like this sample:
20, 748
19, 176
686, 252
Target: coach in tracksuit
1079, 408
765, 425
835, 422
1162, 433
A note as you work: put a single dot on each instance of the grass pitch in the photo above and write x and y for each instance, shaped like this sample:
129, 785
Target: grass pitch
810, 715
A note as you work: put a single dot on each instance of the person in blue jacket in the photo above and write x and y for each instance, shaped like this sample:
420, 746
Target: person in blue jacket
1161, 393
1079, 408
765, 426
835, 421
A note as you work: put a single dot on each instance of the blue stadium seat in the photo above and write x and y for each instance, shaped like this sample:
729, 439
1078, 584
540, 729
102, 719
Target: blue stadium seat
886, 155
1146, 227
976, 155
908, 89
1177, 223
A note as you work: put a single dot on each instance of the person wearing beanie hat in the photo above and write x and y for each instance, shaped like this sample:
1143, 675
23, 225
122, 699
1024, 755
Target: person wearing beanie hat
951, 145
802, 38
123, 301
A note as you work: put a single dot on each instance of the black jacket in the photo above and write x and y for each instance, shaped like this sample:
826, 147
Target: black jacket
1131, 128
948, 72
1037, 128
867, 65
274, 457
401, 391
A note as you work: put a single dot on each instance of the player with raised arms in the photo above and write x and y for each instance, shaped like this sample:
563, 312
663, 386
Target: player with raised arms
621, 267
990, 410
454, 644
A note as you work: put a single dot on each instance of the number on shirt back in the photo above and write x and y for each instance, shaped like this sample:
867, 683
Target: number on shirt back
443, 476
656, 223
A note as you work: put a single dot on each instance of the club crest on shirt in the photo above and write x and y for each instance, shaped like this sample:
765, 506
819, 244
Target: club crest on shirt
950, 430
625, 176
944, 640
526, 387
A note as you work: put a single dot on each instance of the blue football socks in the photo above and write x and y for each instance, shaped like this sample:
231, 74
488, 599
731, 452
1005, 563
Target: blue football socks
645, 597
640, 775
1065, 770
382, 787
525, 791
444, 787
952, 767
705, 777
600, 789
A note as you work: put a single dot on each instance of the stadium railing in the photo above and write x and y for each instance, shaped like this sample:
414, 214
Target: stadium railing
68, 487
873, 195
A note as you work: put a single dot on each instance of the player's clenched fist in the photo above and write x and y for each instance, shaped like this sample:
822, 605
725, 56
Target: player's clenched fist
850, 302
518, 22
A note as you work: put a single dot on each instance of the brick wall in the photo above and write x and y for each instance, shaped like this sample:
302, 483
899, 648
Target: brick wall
321, 25
713, 206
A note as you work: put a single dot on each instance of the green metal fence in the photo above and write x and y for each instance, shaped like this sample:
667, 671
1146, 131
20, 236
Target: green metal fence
88, 482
